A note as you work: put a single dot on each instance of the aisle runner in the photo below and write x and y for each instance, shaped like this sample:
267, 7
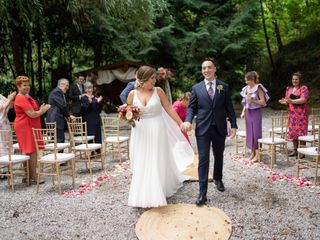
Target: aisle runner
121, 169
278, 176
192, 170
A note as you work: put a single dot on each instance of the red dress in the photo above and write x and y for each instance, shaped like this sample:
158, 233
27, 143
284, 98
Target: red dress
182, 112
298, 113
23, 124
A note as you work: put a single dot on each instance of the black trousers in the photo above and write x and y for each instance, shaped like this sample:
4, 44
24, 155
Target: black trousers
212, 136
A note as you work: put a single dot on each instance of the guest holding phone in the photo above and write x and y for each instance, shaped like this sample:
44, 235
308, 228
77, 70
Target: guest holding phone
296, 99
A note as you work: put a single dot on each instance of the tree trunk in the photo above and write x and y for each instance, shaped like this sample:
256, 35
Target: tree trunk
17, 51
8, 59
97, 50
31, 70
278, 35
266, 36
39, 46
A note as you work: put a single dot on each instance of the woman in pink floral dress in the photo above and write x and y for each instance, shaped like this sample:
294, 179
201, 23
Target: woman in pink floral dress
296, 98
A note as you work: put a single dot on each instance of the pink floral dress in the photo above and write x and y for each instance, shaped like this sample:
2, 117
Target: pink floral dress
182, 112
298, 113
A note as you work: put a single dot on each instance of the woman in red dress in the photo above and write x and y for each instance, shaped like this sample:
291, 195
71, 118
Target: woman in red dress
180, 106
296, 98
27, 117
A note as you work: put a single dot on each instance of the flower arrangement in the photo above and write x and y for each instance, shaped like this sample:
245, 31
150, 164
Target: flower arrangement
129, 113
219, 88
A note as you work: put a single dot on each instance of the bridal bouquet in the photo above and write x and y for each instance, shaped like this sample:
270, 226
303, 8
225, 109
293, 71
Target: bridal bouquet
129, 113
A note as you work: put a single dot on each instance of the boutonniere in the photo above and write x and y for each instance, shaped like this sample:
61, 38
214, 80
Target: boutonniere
219, 88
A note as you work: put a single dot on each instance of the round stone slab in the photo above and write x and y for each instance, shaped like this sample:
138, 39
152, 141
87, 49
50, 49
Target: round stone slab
183, 221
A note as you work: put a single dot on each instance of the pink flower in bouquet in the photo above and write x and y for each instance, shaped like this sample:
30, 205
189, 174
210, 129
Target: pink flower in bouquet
129, 113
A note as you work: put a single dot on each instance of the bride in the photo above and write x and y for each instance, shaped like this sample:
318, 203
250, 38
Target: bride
158, 150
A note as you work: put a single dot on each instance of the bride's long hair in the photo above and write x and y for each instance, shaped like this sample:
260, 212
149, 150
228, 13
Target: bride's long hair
143, 74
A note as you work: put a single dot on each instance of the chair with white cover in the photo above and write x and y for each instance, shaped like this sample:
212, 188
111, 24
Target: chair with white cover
113, 140
12, 164
92, 151
50, 161
311, 159
274, 141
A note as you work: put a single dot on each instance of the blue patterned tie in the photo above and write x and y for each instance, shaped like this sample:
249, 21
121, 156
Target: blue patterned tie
210, 90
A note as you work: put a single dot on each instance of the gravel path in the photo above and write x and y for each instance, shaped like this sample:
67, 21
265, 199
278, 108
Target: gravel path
259, 207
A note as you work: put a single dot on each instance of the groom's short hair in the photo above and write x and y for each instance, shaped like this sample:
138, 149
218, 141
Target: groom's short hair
211, 59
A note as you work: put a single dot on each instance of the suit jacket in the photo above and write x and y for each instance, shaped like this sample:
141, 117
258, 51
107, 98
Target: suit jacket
125, 92
220, 108
58, 110
74, 94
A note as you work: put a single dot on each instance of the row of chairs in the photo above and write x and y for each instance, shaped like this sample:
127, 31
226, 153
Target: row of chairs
58, 159
308, 150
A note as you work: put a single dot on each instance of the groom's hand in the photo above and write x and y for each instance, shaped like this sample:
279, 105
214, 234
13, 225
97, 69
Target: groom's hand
186, 126
233, 133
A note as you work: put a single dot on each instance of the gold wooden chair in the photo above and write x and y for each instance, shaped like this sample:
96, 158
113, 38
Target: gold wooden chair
311, 159
77, 136
15, 144
241, 141
314, 136
279, 130
92, 151
113, 141
49, 160
59, 146
314, 111
12, 164
273, 142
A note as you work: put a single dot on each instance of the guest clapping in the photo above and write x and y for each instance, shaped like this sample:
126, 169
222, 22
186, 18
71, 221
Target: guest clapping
254, 98
180, 106
296, 99
27, 117
59, 111
92, 108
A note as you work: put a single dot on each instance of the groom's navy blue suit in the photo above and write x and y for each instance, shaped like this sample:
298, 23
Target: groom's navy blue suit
211, 127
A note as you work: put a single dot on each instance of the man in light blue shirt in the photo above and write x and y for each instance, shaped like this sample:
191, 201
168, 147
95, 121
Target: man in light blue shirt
125, 92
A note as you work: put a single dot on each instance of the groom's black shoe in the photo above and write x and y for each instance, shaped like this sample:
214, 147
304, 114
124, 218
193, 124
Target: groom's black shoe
202, 198
219, 185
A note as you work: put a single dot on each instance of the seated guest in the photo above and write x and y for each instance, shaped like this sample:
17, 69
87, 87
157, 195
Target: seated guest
76, 93
254, 98
27, 117
125, 92
180, 106
92, 108
59, 111
296, 99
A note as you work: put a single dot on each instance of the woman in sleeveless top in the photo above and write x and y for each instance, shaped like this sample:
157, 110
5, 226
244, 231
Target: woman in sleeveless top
158, 149
254, 98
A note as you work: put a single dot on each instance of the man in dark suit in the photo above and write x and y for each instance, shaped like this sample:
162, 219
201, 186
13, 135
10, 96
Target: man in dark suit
76, 93
211, 102
58, 111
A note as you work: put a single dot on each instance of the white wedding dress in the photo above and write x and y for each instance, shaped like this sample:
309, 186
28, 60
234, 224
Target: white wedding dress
159, 153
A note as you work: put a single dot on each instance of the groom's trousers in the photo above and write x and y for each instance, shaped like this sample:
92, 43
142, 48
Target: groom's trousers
203, 143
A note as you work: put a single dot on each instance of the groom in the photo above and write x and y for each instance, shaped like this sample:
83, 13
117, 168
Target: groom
211, 102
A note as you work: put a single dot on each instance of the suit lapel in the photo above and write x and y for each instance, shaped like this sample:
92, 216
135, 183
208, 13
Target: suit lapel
216, 93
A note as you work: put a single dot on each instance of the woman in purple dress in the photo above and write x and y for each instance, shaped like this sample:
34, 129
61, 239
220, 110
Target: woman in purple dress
254, 98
